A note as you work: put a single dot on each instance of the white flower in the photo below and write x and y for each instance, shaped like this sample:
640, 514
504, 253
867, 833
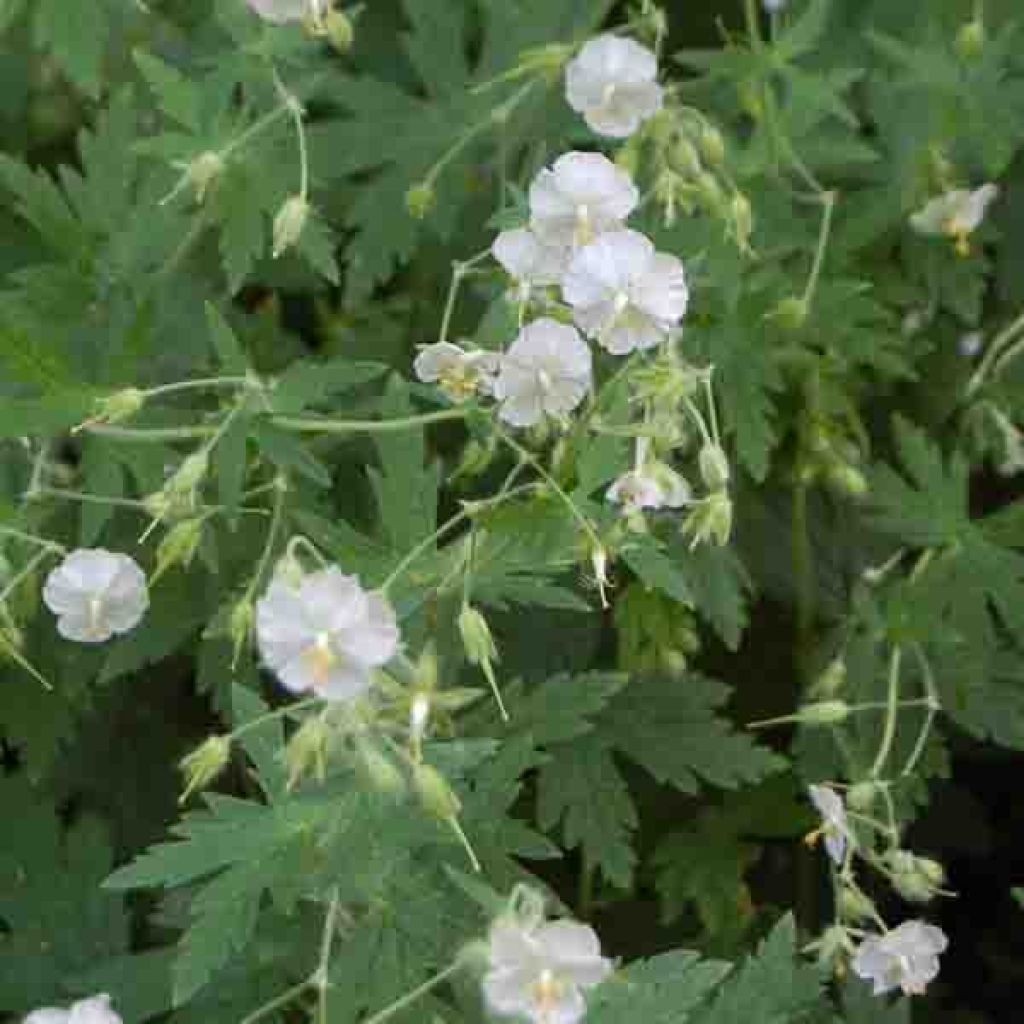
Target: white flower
956, 214
612, 83
829, 804
580, 196
773, 6
457, 372
623, 293
280, 11
539, 970
650, 484
905, 958
96, 1010
546, 371
325, 633
530, 262
970, 344
96, 593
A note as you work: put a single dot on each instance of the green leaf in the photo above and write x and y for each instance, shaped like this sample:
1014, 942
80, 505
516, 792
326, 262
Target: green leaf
77, 37
289, 453
58, 921
307, 383
665, 989
226, 345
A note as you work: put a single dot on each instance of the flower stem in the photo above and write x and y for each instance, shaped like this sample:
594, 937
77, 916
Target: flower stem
999, 353
307, 425
891, 714
410, 997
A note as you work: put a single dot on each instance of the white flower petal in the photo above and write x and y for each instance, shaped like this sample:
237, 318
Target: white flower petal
48, 1015
96, 1010
435, 361
280, 11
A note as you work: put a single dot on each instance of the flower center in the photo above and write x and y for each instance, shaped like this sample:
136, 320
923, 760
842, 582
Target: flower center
320, 659
543, 379
459, 381
95, 610
584, 229
547, 989
608, 93
620, 302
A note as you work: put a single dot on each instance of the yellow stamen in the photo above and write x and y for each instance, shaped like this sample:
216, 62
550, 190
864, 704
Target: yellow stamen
320, 659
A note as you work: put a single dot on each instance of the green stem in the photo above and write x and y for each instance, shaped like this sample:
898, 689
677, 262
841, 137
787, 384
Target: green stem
891, 714
410, 997
803, 578
828, 203
995, 358
271, 716
31, 538
327, 426
150, 435
277, 1002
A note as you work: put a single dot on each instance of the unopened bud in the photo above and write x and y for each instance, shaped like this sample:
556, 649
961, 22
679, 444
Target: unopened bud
419, 200
847, 479
710, 520
306, 750
628, 156
971, 39
189, 474
854, 905
791, 313
240, 626
862, 796
710, 191
712, 145
204, 764
477, 639
203, 171
382, 772
289, 224
685, 158
832, 680
178, 546
714, 467
119, 406
339, 30
419, 716
741, 214
434, 792
824, 712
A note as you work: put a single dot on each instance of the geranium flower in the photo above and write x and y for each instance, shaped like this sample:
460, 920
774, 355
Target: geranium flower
324, 633
528, 261
539, 970
95, 1010
649, 484
580, 196
280, 11
457, 372
834, 829
546, 371
95, 594
623, 293
906, 958
956, 214
612, 82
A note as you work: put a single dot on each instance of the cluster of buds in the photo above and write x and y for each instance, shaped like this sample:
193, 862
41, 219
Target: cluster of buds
655, 633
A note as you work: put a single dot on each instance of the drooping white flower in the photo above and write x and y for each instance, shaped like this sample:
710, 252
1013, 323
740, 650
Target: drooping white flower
970, 344
956, 214
906, 958
540, 969
545, 372
612, 82
834, 829
95, 1010
457, 372
280, 11
649, 484
324, 633
623, 293
96, 593
527, 260
578, 198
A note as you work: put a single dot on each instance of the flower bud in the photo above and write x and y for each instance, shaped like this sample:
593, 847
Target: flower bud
741, 215
204, 764
791, 313
288, 569
382, 772
854, 905
339, 30
847, 479
434, 792
862, 796
203, 171
628, 156
831, 680
119, 406
189, 474
971, 39
710, 191
178, 546
419, 200
307, 749
477, 639
685, 159
289, 223
833, 946
710, 519
712, 145
825, 712
714, 467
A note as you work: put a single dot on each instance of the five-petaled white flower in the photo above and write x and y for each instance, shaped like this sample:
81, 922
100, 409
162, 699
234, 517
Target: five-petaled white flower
578, 198
96, 593
96, 1010
906, 958
649, 484
539, 970
623, 293
612, 82
280, 11
457, 372
546, 371
325, 633
527, 259
956, 214
834, 829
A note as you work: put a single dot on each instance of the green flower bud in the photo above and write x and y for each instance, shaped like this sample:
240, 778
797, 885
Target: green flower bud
382, 772
685, 159
825, 712
477, 640
289, 224
862, 796
710, 520
203, 172
419, 200
339, 30
434, 792
710, 191
791, 313
189, 474
178, 546
854, 905
971, 39
714, 467
932, 871
119, 406
741, 217
847, 479
204, 764
832, 680
712, 145
307, 749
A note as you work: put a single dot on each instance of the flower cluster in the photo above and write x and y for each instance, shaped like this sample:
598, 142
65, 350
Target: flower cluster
95, 1010
906, 957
